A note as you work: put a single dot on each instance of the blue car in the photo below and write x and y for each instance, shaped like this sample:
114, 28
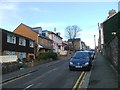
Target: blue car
80, 60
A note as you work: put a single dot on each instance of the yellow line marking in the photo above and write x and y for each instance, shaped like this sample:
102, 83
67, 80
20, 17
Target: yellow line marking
82, 81
78, 80
16, 79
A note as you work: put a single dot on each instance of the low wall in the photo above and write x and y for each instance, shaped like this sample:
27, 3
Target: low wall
8, 58
112, 50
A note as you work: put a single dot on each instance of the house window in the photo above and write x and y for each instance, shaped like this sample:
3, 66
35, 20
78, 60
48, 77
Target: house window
11, 39
22, 41
21, 55
31, 44
59, 47
10, 53
43, 34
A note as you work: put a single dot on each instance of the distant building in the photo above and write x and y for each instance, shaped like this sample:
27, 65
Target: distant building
76, 42
15, 44
83, 45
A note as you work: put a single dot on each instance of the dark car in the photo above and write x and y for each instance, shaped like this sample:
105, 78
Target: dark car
80, 60
91, 53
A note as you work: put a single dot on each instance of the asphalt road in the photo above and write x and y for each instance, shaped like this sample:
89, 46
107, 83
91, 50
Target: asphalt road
53, 75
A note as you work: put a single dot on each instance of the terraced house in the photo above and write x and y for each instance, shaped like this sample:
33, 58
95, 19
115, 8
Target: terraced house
56, 40
42, 41
15, 44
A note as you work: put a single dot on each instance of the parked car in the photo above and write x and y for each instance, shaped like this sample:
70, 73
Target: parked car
80, 60
92, 53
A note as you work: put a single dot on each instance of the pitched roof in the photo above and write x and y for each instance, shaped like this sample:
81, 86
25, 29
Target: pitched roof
75, 39
55, 34
111, 16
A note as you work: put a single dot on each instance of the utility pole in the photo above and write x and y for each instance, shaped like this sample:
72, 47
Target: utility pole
99, 44
95, 41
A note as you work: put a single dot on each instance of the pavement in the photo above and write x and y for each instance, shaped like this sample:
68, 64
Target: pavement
102, 75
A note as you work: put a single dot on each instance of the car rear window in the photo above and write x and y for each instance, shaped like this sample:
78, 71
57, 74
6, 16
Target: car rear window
80, 55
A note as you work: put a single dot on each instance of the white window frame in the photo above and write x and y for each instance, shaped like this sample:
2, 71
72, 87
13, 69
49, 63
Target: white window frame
31, 44
22, 41
11, 39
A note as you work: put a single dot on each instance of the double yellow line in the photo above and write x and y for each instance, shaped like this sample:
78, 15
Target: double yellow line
79, 82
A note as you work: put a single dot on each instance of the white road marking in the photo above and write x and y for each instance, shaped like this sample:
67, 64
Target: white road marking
28, 86
16, 79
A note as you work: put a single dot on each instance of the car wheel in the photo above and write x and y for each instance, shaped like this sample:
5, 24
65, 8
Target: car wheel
88, 69
70, 69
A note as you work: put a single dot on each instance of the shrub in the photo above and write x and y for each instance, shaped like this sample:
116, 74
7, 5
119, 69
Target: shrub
52, 55
47, 55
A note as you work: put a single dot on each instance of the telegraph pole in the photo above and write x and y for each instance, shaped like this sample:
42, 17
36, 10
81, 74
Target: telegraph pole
99, 37
95, 41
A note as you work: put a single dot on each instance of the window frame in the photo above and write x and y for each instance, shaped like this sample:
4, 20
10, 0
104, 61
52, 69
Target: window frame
22, 41
11, 38
31, 44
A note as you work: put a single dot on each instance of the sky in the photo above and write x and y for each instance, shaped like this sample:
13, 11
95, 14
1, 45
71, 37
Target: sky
59, 15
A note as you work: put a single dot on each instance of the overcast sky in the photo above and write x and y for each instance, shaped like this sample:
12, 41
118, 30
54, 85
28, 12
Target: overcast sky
59, 15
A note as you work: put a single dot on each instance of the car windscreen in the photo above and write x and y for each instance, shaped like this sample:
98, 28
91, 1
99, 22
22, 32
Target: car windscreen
78, 55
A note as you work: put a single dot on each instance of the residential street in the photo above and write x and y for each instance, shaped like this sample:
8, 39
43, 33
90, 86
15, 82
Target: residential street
60, 45
54, 75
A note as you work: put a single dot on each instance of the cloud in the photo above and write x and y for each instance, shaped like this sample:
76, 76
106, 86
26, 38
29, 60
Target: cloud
11, 7
87, 36
8, 6
34, 9
49, 25
38, 9
9, 14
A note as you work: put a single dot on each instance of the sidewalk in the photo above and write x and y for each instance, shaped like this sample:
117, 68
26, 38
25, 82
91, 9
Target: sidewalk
103, 75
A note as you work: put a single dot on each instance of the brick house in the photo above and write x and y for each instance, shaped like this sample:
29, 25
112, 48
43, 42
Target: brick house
15, 44
42, 43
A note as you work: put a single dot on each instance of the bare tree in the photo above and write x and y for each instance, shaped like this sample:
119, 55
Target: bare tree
71, 33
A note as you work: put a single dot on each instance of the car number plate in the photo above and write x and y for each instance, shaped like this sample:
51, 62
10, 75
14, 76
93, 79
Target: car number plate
78, 66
